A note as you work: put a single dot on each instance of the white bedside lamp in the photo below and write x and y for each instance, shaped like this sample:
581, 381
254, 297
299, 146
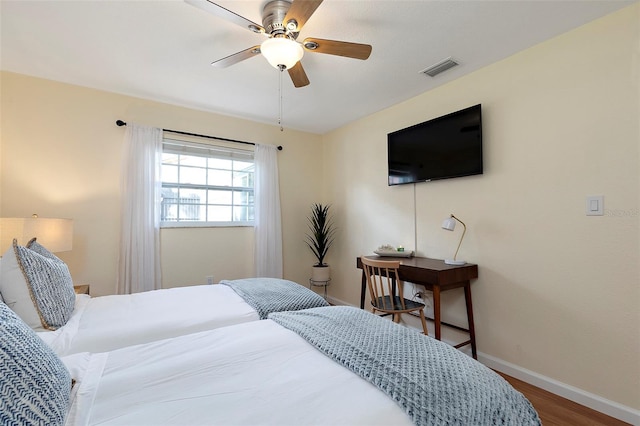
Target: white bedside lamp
450, 224
54, 234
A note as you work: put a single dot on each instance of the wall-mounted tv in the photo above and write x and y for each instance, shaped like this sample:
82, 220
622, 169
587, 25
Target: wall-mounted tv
445, 147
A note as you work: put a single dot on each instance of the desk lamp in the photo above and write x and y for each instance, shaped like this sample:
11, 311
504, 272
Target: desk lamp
55, 235
450, 224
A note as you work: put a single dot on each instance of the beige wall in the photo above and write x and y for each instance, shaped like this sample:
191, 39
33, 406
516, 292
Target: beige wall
558, 292
60, 157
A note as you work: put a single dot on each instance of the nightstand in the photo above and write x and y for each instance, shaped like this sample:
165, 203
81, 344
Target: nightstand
81, 289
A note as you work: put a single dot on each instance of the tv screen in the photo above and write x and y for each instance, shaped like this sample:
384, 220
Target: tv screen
445, 147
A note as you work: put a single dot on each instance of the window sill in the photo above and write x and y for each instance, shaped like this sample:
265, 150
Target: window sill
165, 225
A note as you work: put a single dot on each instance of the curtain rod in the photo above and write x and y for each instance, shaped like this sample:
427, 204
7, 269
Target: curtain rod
121, 123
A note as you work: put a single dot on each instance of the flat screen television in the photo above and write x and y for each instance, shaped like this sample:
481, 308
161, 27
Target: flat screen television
445, 147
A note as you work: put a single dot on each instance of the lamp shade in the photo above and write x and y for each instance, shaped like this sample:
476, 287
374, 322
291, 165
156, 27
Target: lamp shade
54, 234
449, 224
281, 51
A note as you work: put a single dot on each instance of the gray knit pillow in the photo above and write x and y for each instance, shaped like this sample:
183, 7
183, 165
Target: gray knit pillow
34, 245
35, 386
37, 286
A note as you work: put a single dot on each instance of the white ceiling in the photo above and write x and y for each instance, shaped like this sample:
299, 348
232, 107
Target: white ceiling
162, 50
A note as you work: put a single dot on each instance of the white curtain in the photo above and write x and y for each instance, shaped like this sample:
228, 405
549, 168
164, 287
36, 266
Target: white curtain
139, 260
268, 226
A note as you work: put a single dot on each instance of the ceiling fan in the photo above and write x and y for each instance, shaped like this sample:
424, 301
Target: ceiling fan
282, 21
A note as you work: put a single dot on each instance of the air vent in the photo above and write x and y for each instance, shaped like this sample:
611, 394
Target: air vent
441, 66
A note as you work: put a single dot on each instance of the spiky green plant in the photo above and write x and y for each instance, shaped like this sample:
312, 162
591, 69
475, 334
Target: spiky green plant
322, 232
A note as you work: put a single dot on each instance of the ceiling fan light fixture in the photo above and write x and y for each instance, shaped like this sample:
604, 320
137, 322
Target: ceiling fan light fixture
281, 51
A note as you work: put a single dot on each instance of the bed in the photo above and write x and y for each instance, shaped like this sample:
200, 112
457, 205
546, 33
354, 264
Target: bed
106, 323
327, 365
37, 285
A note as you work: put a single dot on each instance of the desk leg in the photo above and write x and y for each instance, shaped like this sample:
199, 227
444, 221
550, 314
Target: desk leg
363, 289
472, 331
436, 311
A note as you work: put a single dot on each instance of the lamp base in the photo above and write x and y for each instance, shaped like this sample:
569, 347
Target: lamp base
454, 262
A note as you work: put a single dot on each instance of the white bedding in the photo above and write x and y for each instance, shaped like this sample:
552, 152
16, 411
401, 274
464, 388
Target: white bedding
252, 373
106, 323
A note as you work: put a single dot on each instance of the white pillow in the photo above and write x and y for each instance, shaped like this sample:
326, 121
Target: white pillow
37, 286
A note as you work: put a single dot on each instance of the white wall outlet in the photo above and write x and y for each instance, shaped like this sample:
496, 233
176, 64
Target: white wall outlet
210, 279
595, 205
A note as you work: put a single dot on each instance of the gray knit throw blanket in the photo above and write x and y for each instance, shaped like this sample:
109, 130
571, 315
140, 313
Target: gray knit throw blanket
433, 382
267, 295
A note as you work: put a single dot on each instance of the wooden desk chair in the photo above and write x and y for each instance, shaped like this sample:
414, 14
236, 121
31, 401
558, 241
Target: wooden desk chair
386, 290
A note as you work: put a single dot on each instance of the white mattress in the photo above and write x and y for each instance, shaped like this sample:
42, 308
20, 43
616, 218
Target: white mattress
252, 373
110, 322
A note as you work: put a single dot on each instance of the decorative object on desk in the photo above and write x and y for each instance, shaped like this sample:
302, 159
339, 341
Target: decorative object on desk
388, 250
320, 239
450, 224
54, 234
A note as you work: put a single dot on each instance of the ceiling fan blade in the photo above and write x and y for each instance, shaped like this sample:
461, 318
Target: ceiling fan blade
236, 57
340, 48
300, 11
298, 76
221, 12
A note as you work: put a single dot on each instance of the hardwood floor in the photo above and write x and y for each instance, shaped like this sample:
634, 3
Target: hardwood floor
555, 410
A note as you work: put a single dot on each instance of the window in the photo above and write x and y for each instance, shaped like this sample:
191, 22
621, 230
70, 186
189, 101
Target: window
206, 185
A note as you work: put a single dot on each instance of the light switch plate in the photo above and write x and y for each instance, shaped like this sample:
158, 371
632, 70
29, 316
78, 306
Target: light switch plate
595, 205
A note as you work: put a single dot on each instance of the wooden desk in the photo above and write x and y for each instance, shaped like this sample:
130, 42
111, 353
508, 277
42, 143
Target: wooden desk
436, 276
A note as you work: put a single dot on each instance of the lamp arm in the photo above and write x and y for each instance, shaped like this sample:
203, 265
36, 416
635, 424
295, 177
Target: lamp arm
461, 237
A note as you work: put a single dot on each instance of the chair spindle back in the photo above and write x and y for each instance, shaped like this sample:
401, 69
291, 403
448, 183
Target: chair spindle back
383, 280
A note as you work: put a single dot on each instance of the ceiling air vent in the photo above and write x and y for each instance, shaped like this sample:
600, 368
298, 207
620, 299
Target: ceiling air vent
441, 66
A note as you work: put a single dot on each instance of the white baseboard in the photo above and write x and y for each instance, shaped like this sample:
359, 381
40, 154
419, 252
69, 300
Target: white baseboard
595, 402
335, 301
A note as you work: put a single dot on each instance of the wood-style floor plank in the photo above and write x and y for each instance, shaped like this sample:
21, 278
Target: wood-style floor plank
555, 410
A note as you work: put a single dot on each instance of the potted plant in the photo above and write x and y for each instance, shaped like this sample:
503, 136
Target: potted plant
320, 239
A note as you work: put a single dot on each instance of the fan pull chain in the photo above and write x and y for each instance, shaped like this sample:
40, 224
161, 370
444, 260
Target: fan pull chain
280, 100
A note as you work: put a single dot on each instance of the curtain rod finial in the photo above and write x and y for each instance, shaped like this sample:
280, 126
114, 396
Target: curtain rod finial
120, 123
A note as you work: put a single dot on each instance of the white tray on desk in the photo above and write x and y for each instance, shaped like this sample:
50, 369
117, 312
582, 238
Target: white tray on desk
393, 253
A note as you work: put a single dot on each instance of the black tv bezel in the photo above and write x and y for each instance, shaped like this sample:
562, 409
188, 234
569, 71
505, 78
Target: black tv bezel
426, 123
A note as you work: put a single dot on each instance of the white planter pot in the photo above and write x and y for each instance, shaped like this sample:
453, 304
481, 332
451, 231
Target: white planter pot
321, 273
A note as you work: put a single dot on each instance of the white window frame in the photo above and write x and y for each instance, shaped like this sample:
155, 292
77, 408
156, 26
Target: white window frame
179, 146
